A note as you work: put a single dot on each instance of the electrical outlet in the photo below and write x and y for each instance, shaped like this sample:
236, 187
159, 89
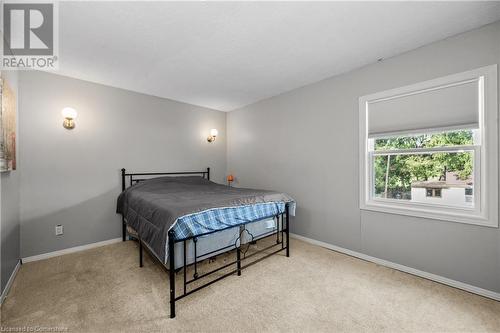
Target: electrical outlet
59, 230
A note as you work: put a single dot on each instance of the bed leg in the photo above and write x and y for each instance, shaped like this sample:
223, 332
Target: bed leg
124, 229
282, 231
195, 242
124, 226
277, 229
185, 267
238, 260
287, 213
140, 252
171, 273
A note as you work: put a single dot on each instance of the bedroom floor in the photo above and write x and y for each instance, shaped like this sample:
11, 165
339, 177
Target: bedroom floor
316, 289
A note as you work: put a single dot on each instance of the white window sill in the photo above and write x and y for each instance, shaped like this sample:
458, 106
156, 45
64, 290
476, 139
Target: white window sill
459, 215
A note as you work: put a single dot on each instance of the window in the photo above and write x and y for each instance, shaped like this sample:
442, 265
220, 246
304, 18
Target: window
433, 192
417, 168
426, 151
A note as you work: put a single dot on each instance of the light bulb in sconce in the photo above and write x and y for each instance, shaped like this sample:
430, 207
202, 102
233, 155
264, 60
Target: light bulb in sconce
213, 135
69, 115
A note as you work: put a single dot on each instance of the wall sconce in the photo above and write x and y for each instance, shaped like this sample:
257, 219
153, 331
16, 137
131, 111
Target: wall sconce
69, 115
213, 135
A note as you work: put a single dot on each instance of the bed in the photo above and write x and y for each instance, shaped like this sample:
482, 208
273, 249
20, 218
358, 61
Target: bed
183, 219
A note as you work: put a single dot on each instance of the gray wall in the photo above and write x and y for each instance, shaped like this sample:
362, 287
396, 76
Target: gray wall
9, 210
305, 142
73, 177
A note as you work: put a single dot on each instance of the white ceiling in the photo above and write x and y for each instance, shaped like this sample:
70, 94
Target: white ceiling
224, 55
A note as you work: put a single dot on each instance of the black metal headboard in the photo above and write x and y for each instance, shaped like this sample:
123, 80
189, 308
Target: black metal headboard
133, 180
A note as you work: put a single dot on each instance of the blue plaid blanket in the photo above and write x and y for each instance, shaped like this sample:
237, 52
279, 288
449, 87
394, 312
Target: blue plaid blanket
222, 218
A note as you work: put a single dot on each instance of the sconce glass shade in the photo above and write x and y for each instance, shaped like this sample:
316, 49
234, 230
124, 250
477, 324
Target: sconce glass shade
69, 113
213, 135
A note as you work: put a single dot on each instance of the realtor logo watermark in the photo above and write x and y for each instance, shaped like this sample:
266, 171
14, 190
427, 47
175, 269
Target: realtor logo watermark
30, 35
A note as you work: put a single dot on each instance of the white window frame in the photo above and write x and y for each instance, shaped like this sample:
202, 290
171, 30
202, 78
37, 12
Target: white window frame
485, 211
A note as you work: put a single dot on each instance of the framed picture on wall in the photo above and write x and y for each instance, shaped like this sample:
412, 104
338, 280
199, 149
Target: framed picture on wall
8, 127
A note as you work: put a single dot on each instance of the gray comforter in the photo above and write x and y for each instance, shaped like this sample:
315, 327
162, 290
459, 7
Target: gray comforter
153, 206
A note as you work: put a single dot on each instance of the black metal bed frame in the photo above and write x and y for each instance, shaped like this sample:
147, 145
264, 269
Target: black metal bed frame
284, 242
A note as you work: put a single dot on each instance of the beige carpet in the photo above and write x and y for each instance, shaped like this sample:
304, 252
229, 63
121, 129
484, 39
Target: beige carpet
315, 290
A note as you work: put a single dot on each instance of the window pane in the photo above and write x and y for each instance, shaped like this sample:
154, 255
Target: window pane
444, 178
445, 139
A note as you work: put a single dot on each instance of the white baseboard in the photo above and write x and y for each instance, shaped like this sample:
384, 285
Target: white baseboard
71, 250
9, 283
413, 271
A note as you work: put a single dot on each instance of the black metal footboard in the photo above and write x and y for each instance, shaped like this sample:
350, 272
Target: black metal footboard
238, 264
241, 261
